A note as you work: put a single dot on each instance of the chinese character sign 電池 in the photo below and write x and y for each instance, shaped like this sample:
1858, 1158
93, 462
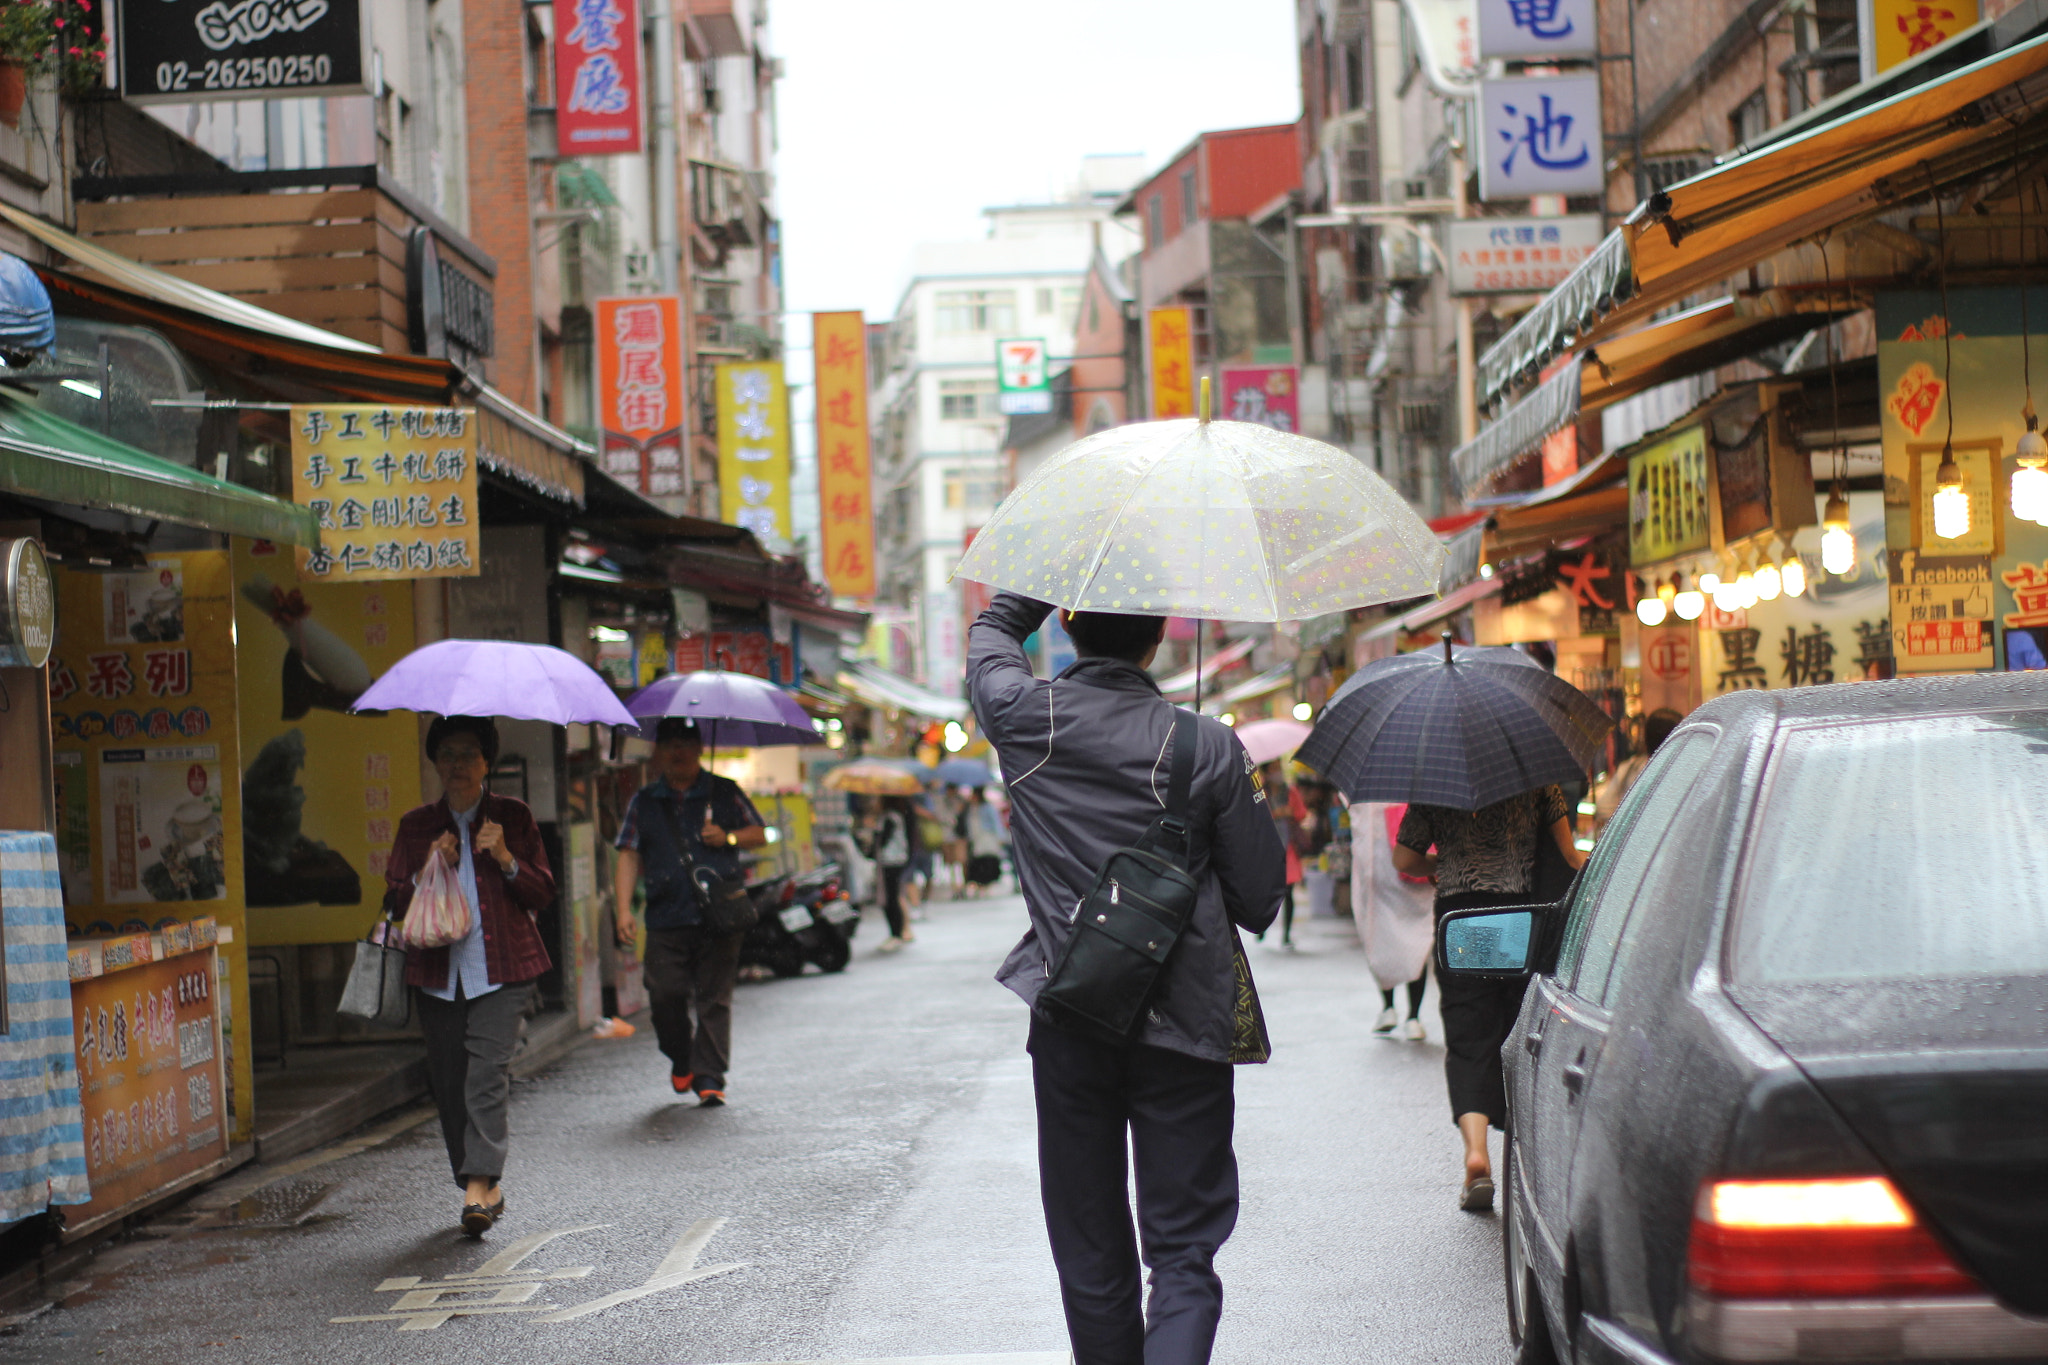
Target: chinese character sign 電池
753, 448
1540, 135
394, 488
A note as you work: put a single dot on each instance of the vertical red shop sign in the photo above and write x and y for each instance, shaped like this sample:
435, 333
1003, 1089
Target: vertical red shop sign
640, 392
597, 77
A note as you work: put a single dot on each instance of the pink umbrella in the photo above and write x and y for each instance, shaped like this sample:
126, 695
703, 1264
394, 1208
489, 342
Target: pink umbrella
1266, 740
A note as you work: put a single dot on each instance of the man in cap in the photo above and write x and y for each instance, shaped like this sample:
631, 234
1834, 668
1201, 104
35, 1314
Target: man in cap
1087, 764
686, 810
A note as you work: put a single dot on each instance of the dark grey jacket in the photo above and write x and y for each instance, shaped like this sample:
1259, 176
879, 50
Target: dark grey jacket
1084, 759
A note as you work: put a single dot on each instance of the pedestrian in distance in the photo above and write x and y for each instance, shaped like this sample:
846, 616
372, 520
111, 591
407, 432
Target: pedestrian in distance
1481, 858
687, 816
1088, 761
1290, 816
892, 838
981, 831
473, 997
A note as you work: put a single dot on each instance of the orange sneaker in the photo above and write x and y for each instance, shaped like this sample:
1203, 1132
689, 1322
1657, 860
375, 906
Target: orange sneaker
682, 1082
710, 1099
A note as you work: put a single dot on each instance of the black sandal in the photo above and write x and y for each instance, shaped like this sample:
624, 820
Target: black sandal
478, 1219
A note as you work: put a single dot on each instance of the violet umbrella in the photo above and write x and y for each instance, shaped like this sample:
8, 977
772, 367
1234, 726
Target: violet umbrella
731, 708
507, 678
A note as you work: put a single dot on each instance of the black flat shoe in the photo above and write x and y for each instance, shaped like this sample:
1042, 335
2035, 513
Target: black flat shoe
478, 1219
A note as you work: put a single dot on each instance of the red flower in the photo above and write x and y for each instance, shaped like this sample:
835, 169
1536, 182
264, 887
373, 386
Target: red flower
60, 23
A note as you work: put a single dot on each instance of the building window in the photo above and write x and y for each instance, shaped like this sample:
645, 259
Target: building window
1155, 220
1750, 119
1189, 212
971, 490
977, 310
965, 400
1045, 295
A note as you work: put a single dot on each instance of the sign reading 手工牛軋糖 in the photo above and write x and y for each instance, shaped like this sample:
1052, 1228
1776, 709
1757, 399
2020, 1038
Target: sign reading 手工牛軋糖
1519, 255
186, 50
394, 488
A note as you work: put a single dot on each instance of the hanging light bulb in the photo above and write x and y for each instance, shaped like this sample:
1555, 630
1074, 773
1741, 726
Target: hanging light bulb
1668, 589
1951, 503
1709, 581
1794, 575
1837, 541
1745, 585
1768, 583
1727, 597
1686, 603
2030, 480
1651, 610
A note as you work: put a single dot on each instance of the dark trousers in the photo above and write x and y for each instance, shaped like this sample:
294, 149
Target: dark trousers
1176, 1113
1478, 1016
685, 970
470, 1042
892, 897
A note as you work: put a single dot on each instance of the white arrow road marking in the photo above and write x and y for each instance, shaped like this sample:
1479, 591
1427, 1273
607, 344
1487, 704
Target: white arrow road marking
426, 1307
679, 1267
507, 1260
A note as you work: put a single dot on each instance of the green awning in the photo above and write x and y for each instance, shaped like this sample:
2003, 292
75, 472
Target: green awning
43, 456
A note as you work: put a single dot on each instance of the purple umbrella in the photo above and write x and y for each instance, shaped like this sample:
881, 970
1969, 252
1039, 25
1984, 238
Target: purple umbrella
496, 678
735, 709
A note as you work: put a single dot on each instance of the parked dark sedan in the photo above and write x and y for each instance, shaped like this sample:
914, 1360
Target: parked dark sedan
1779, 1088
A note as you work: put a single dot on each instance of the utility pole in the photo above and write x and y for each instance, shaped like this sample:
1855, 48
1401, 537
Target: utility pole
1468, 379
667, 237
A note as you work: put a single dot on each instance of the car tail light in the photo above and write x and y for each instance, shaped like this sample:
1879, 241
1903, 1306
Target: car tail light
830, 893
1843, 1238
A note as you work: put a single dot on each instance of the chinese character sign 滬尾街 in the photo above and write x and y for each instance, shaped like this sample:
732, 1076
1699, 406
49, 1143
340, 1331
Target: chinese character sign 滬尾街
753, 448
394, 488
845, 520
640, 392
597, 77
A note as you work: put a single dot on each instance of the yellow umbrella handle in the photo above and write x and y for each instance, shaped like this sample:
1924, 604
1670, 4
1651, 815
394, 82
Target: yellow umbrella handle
1205, 398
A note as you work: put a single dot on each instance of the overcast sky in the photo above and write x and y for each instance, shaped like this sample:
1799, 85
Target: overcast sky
902, 119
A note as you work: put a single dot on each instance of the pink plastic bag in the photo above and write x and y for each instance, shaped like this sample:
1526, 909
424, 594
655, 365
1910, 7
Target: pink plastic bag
440, 914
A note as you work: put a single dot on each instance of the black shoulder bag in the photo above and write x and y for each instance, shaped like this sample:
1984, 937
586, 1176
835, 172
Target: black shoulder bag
723, 903
1127, 926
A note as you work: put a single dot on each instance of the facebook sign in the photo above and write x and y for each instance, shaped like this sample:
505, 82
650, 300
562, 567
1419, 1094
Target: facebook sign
1540, 135
1536, 30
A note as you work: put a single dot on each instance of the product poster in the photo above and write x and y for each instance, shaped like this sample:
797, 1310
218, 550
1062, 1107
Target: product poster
1971, 602
322, 789
146, 755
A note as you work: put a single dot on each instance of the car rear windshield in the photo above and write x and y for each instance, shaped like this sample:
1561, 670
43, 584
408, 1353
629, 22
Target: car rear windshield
1900, 848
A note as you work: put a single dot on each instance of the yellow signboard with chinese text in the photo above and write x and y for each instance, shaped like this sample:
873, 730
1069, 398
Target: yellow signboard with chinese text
753, 448
1170, 334
147, 762
322, 789
845, 501
1667, 498
1903, 29
394, 488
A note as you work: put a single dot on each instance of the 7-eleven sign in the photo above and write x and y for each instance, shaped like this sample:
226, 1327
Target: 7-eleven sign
1022, 384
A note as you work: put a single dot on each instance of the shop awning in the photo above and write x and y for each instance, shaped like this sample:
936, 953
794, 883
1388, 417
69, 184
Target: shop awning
877, 686
1437, 610
1600, 283
1707, 228
515, 444
1274, 679
46, 457
1518, 530
1549, 408
1184, 681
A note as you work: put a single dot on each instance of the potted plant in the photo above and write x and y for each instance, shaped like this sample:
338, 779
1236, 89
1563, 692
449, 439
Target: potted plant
54, 38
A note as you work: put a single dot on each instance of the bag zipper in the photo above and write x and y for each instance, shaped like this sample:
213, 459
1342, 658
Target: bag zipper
1115, 891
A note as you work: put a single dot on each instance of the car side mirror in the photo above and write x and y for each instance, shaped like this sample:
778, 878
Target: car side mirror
1495, 942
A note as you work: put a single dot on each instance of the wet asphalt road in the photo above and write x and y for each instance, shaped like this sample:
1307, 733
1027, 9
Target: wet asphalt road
876, 1177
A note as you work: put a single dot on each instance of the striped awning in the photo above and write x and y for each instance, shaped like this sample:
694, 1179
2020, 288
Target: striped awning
1549, 408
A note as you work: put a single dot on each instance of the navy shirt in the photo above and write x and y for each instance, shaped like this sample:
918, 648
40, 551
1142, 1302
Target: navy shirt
648, 828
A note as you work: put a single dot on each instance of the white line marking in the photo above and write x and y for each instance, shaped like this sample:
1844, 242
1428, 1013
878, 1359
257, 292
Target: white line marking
676, 1268
505, 1261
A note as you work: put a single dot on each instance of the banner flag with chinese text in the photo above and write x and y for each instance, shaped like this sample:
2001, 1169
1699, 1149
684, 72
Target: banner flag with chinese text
640, 392
845, 499
1170, 336
394, 488
597, 77
1265, 395
753, 448
146, 762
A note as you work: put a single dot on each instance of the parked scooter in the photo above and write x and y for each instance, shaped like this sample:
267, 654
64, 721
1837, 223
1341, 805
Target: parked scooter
804, 917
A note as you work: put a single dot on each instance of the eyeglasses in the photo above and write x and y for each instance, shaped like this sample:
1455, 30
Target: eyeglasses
457, 754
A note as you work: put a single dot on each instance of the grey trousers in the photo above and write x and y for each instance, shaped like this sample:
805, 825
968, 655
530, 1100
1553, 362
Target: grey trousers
688, 969
469, 1070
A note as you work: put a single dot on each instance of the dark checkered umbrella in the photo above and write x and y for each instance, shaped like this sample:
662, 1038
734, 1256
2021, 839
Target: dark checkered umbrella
1460, 727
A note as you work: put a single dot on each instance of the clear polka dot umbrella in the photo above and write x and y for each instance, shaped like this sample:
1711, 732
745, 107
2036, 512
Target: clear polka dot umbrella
1218, 520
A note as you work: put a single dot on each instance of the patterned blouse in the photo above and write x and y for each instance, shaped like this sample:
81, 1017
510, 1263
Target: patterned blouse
1484, 850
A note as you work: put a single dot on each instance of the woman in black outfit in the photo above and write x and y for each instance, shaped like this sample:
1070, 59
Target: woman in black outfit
1483, 857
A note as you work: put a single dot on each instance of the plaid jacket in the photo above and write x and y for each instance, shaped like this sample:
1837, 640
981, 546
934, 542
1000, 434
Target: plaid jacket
513, 950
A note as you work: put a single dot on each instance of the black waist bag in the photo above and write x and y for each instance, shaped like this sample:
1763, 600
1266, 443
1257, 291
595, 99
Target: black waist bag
1127, 926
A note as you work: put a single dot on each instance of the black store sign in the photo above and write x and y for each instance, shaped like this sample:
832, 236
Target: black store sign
184, 50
